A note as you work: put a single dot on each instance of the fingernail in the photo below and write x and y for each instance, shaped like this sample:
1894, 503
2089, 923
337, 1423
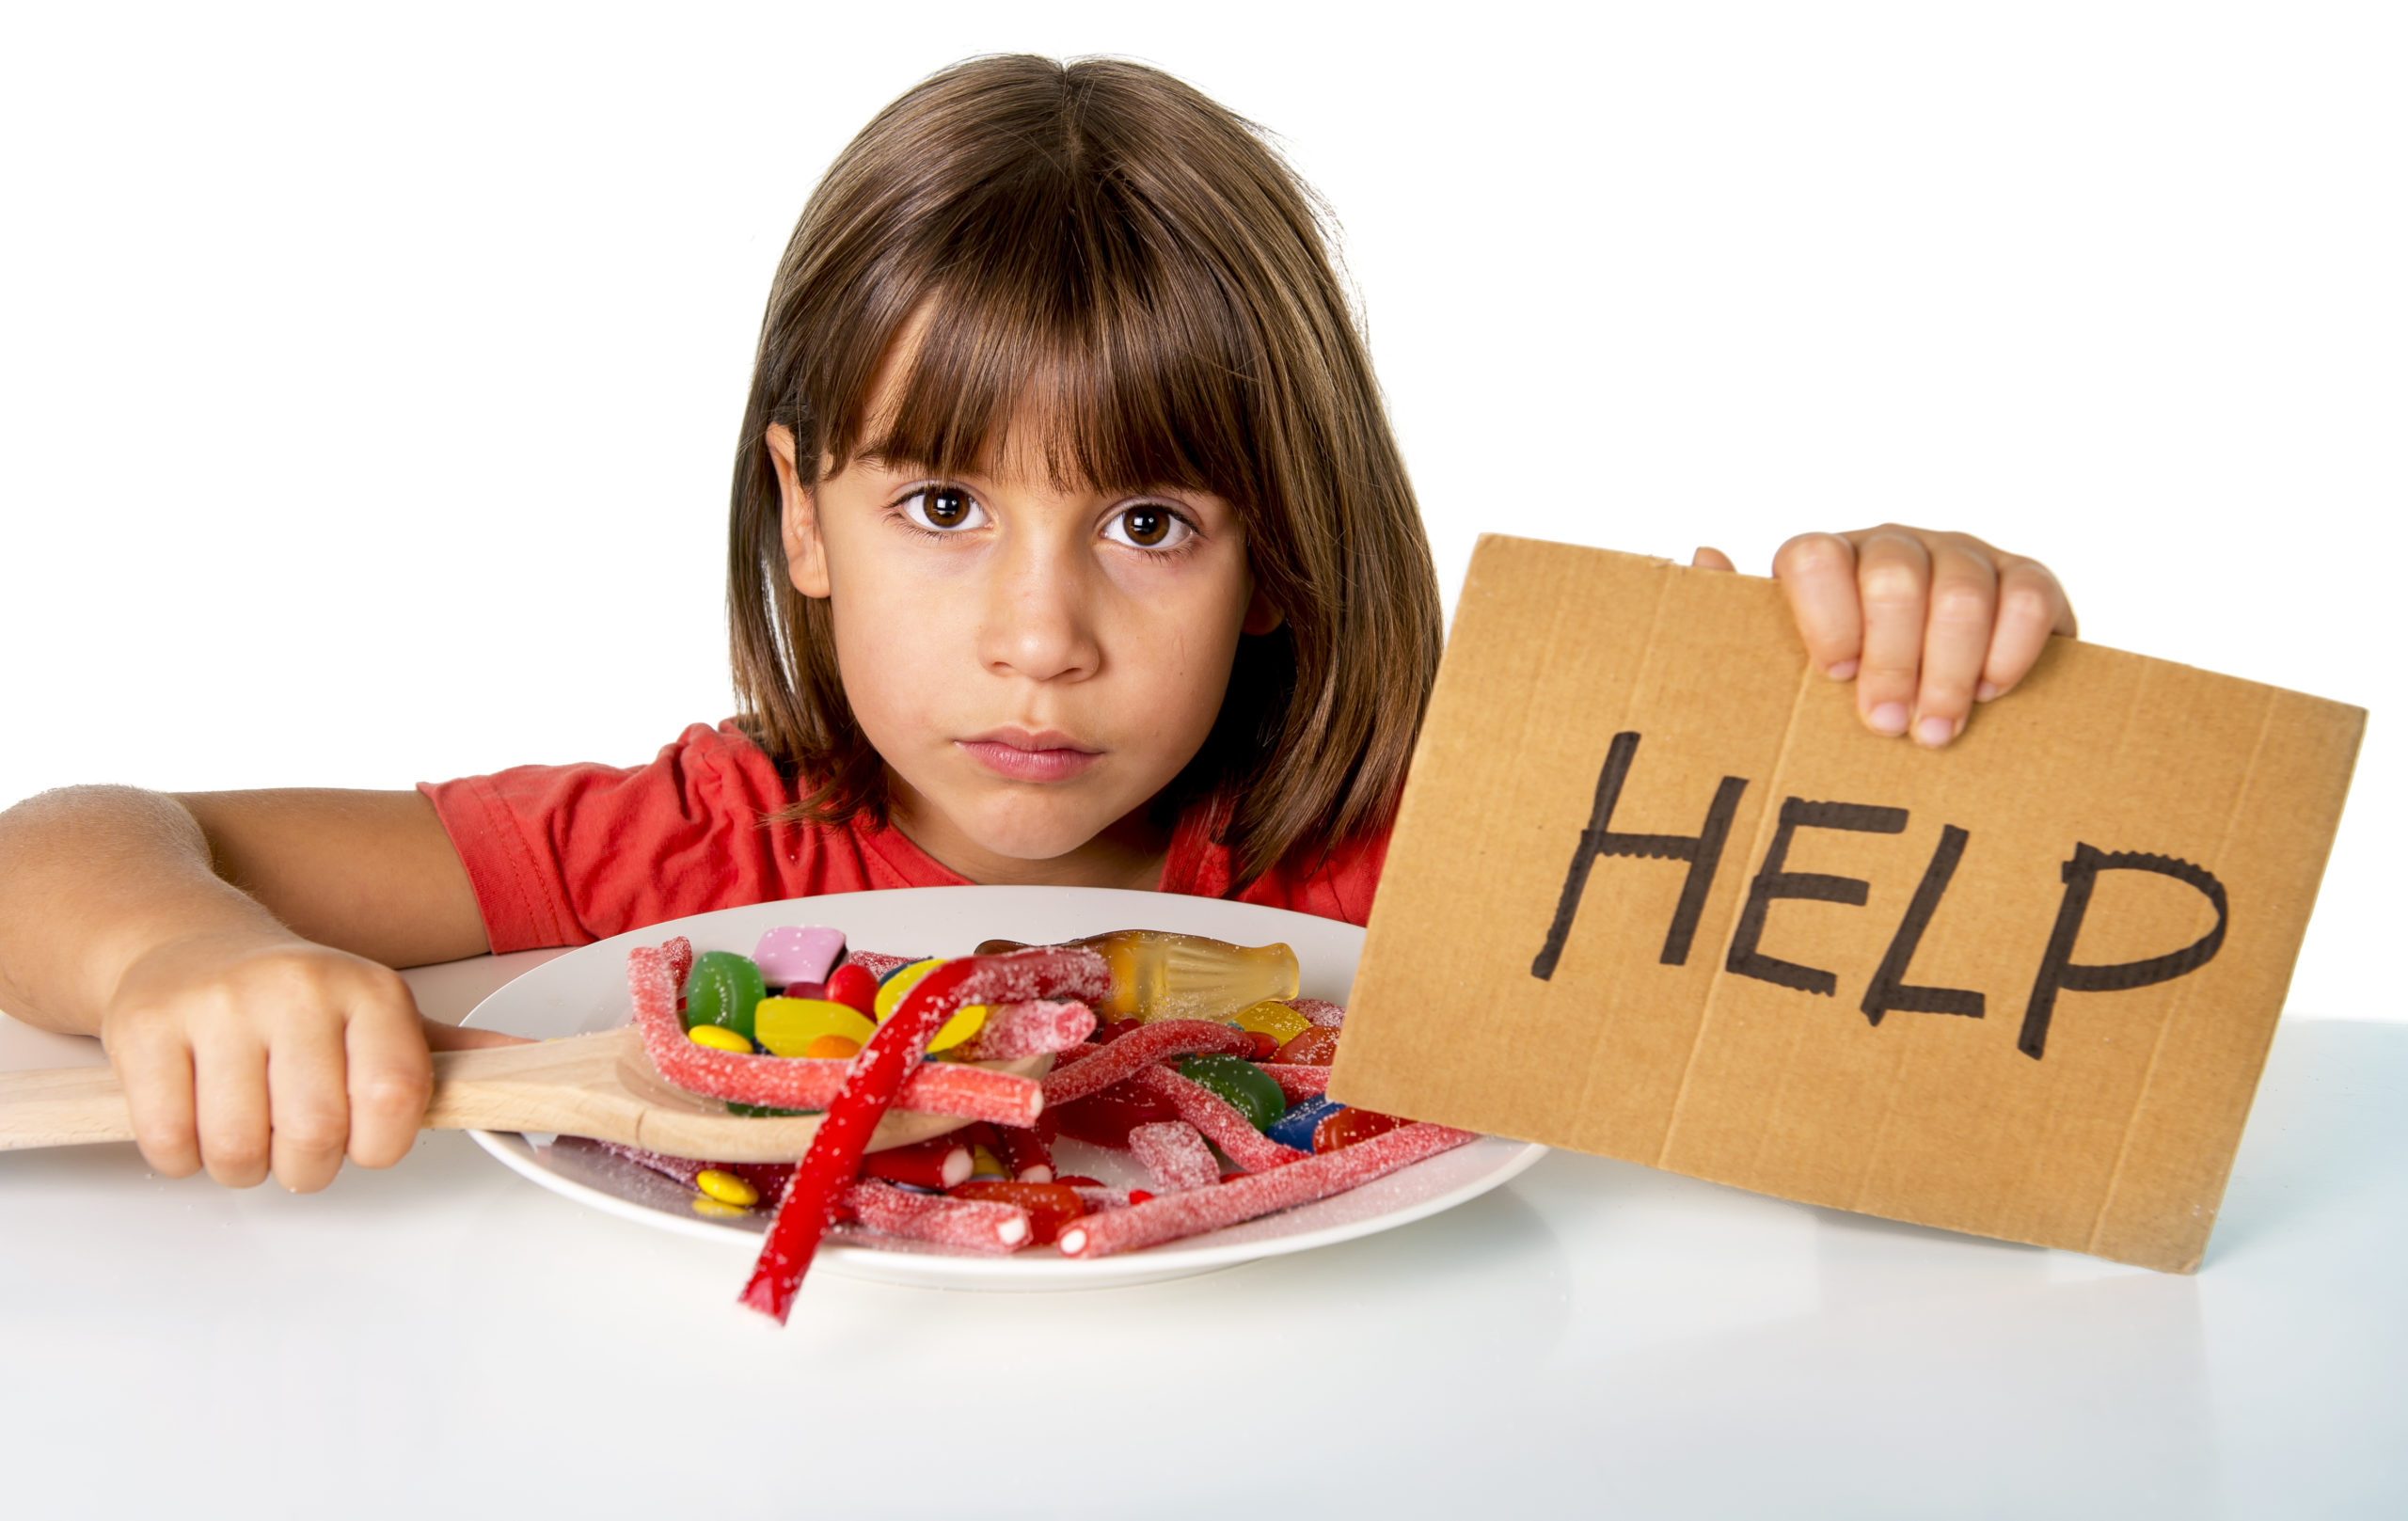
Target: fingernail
1890, 718
1987, 691
1840, 669
1935, 732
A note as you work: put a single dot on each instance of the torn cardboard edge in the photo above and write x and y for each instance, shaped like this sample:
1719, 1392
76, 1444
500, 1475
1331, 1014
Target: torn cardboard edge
2021, 987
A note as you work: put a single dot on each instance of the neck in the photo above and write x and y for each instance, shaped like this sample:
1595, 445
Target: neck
1129, 854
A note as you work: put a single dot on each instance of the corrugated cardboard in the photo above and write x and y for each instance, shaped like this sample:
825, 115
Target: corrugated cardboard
1875, 1018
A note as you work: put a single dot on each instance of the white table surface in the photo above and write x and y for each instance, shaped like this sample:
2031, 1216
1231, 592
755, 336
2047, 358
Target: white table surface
446, 1338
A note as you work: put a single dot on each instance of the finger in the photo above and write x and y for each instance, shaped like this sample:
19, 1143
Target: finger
1955, 640
230, 1108
156, 1074
2031, 607
1709, 557
309, 1111
391, 1079
1817, 571
442, 1037
1893, 578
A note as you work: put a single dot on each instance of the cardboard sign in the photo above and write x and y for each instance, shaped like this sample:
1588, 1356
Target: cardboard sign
1655, 894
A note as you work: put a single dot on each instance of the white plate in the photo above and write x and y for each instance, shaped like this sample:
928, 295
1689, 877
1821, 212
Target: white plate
587, 991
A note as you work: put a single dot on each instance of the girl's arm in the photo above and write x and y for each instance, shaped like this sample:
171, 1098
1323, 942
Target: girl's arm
1926, 624
233, 952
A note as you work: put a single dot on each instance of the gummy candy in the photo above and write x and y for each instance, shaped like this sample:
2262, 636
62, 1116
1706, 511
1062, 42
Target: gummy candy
1240, 1083
935, 1164
1320, 1011
795, 953
1105, 1118
721, 989
1295, 1127
1352, 1127
1296, 1082
1176, 1215
1314, 1048
973, 1225
852, 986
1030, 1029
1157, 974
787, 1026
1139, 1048
1026, 1157
1274, 1019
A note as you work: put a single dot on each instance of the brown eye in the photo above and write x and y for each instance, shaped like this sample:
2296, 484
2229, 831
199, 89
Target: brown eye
949, 508
944, 509
1147, 526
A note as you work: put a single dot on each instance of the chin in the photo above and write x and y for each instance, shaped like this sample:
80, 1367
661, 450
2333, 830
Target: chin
1036, 834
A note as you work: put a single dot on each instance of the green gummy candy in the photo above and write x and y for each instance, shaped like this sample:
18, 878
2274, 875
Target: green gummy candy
763, 1111
1248, 1088
723, 989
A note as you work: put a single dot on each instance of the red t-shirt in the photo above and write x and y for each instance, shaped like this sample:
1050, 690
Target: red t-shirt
562, 855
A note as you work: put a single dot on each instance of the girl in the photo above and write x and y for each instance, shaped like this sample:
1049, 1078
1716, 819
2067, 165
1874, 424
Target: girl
1069, 544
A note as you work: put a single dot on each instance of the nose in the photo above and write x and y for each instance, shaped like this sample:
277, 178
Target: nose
1040, 617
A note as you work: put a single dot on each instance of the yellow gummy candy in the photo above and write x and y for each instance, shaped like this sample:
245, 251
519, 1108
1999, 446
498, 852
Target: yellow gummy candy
1274, 1019
787, 1026
1157, 974
891, 992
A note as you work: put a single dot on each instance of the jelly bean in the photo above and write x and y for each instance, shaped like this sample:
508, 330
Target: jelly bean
727, 1188
1157, 974
853, 988
720, 1039
892, 987
1314, 1048
1274, 1019
787, 1026
832, 1048
1105, 1119
1260, 1047
1295, 1128
721, 989
1049, 1205
798, 953
718, 1209
1352, 1127
1237, 1081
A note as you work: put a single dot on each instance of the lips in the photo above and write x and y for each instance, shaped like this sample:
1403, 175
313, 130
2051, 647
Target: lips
1046, 756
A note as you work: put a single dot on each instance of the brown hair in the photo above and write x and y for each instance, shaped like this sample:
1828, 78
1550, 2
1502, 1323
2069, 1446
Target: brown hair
1106, 238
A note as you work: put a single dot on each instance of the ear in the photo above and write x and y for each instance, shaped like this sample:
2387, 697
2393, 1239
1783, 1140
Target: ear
798, 518
1260, 616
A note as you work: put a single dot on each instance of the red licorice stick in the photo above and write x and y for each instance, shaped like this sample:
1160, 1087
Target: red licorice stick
1096, 1196
973, 1225
1171, 1216
872, 1084
878, 965
1176, 1154
1032, 1029
1025, 1154
1298, 1082
680, 952
1221, 1124
939, 1163
1138, 1049
797, 1082
1320, 1011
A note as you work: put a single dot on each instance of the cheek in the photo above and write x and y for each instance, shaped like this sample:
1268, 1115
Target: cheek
889, 651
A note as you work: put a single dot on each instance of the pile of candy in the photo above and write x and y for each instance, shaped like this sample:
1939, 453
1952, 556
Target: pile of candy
1207, 1070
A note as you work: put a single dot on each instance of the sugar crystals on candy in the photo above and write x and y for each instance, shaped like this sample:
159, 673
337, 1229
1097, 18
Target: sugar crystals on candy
1176, 1154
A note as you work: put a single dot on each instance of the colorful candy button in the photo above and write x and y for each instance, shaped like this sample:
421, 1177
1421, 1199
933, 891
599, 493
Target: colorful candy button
720, 1038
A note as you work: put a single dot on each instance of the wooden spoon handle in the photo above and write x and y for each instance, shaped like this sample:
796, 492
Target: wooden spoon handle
63, 1107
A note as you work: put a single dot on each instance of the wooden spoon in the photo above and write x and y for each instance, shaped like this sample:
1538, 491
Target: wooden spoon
599, 1086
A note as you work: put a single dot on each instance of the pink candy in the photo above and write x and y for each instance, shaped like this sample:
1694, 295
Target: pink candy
1221, 1124
1025, 1154
972, 1224
1320, 1011
1030, 1029
1140, 1049
1298, 1082
1175, 1154
1173, 1216
793, 954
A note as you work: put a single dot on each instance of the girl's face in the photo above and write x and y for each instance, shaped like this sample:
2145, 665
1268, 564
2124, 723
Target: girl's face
1032, 662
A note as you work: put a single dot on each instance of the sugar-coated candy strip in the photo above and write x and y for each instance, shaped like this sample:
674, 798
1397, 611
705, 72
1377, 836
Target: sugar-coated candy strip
1031, 1029
1139, 1049
1320, 1011
1096, 1196
878, 964
680, 952
799, 1082
1298, 1082
681, 1169
872, 1084
1025, 1154
1218, 1119
1171, 1216
973, 1225
1175, 1154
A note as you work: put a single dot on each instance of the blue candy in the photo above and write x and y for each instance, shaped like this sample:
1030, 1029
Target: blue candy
1295, 1128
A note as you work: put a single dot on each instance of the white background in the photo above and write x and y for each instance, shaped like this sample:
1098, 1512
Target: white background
369, 378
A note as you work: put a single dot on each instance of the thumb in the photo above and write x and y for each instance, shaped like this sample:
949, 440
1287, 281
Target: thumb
442, 1037
1708, 558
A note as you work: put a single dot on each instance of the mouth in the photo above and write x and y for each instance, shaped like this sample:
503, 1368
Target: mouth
1045, 755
